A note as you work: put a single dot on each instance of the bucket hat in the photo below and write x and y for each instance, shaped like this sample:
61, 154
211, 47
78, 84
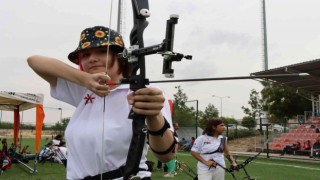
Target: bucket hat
96, 36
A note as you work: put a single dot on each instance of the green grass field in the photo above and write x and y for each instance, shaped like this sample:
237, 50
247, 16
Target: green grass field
260, 168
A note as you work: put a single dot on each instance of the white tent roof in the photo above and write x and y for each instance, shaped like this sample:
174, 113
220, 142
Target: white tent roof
11, 100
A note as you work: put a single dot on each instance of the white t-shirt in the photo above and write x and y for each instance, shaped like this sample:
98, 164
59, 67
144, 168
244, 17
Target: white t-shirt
56, 142
207, 144
84, 131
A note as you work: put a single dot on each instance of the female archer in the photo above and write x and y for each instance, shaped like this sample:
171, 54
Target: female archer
99, 132
209, 149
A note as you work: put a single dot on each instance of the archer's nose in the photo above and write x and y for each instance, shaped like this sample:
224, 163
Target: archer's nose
93, 58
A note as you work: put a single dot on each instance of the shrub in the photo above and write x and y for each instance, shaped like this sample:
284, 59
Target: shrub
240, 133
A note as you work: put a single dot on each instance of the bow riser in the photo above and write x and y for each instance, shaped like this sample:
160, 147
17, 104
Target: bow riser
136, 56
141, 11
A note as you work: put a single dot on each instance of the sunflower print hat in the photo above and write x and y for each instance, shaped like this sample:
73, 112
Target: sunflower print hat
97, 36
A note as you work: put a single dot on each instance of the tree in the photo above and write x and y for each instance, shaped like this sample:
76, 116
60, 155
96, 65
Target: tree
228, 120
180, 98
60, 127
182, 114
256, 105
209, 112
65, 122
283, 102
183, 117
248, 122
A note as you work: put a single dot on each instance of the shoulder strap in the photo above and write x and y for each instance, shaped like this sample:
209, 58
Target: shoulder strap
222, 144
220, 149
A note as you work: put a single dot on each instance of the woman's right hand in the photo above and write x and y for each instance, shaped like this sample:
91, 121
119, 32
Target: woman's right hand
97, 83
211, 163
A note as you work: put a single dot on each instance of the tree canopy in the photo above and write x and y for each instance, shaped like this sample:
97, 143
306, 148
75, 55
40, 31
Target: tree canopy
209, 112
248, 122
183, 114
281, 102
185, 111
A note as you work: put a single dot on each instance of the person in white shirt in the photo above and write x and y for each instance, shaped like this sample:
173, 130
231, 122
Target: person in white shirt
57, 140
46, 153
209, 149
103, 106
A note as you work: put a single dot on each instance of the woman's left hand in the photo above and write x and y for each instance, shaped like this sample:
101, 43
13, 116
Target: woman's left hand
147, 101
235, 165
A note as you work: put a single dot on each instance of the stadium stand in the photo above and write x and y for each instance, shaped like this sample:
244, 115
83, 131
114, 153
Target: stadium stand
302, 134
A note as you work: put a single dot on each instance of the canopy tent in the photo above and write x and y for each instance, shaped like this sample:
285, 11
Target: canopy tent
16, 102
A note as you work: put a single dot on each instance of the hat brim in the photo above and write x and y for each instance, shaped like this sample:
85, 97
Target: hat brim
73, 56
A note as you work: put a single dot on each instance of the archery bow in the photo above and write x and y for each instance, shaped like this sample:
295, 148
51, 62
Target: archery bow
136, 56
242, 165
232, 168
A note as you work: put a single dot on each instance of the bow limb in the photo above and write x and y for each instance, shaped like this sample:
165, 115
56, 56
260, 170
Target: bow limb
137, 81
243, 164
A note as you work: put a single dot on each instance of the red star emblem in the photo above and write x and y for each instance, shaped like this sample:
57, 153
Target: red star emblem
89, 99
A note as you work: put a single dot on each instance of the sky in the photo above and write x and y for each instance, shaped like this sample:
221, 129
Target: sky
223, 36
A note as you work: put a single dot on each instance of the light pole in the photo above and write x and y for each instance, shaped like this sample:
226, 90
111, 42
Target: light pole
221, 102
60, 109
196, 115
60, 119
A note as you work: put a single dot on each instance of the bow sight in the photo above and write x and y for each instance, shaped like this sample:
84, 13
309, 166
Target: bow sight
165, 48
